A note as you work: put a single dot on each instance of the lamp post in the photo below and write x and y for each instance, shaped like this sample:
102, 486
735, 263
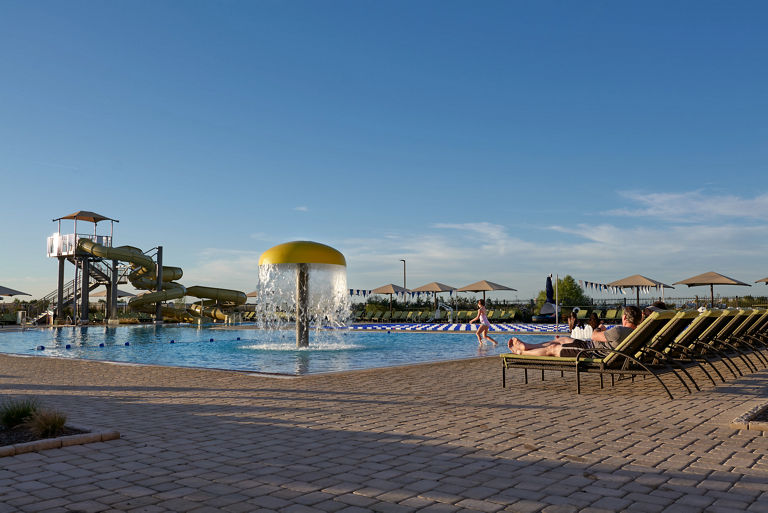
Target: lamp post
403, 261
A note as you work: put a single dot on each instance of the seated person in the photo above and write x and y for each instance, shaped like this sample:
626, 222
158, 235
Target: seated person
567, 346
656, 306
582, 331
595, 322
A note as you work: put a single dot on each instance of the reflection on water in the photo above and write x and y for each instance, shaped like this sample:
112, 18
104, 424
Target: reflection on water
302, 362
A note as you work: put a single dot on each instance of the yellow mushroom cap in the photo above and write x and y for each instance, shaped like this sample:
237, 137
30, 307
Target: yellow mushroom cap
302, 252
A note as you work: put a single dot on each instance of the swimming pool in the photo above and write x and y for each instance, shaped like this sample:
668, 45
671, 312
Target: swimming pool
272, 352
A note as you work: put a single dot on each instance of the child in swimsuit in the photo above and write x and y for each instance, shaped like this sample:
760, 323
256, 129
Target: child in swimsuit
482, 330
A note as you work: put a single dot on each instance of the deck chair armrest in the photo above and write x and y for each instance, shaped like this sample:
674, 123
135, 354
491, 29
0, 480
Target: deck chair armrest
588, 353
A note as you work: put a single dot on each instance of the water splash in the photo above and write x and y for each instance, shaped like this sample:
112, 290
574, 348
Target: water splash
329, 303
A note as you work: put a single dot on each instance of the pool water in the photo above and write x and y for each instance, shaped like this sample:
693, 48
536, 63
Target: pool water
272, 352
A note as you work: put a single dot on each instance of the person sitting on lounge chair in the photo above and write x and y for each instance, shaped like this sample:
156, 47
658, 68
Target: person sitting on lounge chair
570, 347
656, 306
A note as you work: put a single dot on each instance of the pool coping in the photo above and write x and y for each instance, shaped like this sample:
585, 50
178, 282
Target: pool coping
91, 435
745, 421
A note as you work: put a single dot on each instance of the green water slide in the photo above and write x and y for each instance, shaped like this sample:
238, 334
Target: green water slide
142, 277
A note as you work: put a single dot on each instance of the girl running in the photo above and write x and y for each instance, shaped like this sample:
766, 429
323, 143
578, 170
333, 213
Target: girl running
482, 331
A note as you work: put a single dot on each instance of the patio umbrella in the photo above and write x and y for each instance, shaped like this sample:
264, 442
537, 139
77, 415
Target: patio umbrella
253, 293
483, 286
434, 287
549, 306
5, 291
711, 278
764, 280
120, 293
638, 281
390, 289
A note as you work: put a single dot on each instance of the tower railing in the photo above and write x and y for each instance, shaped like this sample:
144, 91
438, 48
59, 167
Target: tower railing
66, 244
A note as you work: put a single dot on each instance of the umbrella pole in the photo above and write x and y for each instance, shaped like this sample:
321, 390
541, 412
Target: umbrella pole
711, 296
557, 301
637, 290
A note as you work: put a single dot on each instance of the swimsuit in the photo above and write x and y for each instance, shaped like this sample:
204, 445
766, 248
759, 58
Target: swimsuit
484, 319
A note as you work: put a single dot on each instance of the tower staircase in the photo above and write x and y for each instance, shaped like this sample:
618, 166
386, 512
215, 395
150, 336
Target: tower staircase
99, 273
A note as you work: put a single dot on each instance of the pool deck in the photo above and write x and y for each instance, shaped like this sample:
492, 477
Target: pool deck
435, 438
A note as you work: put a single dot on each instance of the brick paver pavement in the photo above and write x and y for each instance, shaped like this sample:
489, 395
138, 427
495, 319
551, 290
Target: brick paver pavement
434, 438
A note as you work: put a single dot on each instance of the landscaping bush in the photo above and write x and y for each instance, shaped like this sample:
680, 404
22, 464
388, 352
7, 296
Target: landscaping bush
14, 412
46, 423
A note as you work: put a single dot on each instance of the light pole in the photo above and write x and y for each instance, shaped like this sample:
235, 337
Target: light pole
404, 293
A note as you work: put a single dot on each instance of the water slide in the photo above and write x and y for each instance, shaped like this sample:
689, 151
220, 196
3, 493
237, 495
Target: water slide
143, 277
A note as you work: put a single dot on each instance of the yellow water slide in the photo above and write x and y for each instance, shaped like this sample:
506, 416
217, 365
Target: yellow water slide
143, 275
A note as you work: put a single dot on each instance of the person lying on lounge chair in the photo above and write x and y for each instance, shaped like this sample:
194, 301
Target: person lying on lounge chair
570, 347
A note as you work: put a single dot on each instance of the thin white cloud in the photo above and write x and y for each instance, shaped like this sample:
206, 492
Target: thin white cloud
225, 268
694, 206
301, 209
461, 253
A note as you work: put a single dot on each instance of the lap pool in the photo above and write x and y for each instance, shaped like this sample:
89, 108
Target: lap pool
269, 352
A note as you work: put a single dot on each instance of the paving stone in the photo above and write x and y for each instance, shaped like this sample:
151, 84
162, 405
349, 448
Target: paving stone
385, 440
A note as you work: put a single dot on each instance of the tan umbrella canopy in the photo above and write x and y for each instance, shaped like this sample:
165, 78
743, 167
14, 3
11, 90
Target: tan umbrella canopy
764, 280
5, 291
637, 281
85, 215
434, 287
120, 293
253, 293
390, 289
483, 286
711, 278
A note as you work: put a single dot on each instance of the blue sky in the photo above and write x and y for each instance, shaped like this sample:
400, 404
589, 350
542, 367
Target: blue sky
477, 140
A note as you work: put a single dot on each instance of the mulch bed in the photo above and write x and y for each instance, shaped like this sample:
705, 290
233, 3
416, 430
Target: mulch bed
20, 435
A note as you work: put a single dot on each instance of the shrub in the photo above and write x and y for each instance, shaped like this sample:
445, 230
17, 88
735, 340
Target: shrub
46, 423
14, 412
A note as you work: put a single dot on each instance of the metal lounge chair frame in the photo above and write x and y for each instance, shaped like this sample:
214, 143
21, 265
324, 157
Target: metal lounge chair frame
712, 342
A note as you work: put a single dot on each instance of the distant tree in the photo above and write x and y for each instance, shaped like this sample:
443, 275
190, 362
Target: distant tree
569, 293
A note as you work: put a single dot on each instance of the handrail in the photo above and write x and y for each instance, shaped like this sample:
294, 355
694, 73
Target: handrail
101, 268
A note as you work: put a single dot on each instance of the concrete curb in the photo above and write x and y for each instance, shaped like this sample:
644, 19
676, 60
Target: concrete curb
745, 421
91, 436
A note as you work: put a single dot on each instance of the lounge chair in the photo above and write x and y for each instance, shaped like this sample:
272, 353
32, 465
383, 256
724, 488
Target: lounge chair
656, 351
629, 357
386, 316
747, 337
725, 343
683, 348
709, 345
